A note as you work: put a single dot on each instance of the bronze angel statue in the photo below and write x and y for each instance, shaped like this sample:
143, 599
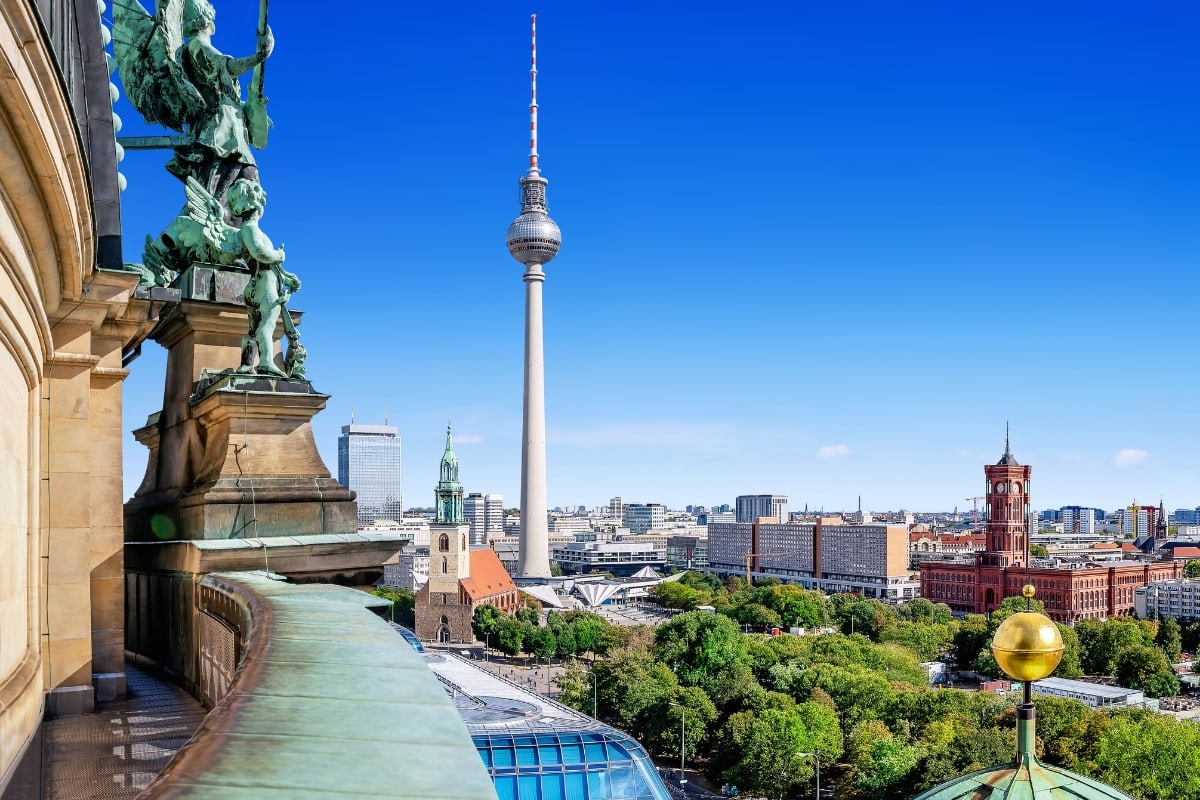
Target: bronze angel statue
193, 88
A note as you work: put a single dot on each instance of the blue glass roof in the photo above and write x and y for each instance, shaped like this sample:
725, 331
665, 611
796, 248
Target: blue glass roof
409, 637
569, 765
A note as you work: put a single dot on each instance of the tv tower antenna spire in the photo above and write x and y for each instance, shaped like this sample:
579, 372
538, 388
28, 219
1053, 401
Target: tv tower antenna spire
533, 105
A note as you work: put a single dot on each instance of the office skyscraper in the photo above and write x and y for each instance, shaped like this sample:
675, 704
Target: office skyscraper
369, 464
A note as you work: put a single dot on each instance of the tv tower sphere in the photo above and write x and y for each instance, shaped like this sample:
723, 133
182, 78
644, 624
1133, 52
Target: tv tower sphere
533, 238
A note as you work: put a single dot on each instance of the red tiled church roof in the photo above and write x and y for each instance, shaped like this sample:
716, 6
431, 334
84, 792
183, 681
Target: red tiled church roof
488, 576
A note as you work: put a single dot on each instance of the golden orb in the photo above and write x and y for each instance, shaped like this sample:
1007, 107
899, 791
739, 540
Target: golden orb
1028, 591
1027, 646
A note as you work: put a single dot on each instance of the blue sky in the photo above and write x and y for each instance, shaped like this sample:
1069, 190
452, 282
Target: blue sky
821, 249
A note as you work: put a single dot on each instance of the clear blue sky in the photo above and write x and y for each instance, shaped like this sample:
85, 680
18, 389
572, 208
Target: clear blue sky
815, 248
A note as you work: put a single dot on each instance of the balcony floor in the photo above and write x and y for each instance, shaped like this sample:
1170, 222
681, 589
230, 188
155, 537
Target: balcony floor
115, 752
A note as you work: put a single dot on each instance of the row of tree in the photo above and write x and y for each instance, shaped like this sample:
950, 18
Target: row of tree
1139, 654
896, 735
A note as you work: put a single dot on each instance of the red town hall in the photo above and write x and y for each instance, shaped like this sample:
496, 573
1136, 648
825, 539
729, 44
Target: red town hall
1071, 589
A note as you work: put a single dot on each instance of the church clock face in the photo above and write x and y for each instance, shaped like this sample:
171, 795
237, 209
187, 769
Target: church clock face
1002, 488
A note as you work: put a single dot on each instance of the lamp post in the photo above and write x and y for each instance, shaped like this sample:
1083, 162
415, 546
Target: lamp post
816, 757
595, 695
487, 645
682, 741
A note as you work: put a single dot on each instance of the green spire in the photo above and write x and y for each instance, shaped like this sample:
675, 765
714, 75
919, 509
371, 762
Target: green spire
449, 492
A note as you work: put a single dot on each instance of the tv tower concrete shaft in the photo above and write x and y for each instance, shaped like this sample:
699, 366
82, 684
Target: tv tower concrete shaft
535, 537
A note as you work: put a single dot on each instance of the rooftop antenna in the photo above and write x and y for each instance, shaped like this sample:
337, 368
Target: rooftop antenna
385, 415
533, 106
1006, 450
352, 414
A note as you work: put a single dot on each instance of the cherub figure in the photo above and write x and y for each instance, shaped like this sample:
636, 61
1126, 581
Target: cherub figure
268, 291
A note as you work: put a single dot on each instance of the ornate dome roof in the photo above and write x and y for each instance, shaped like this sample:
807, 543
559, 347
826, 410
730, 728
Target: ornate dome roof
1027, 780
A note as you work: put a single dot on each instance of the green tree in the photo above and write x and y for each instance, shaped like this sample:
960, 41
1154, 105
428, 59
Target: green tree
588, 629
757, 615
528, 614
1145, 667
679, 595
1039, 551
1071, 665
771, 763
543, 643
880, 763
1115, 635
922, 610
972, 637
705, 650
1192, 569
403, 603
1169, 639
688, 711
1151, 756
859, 692
510, 636
926, 641
486, 621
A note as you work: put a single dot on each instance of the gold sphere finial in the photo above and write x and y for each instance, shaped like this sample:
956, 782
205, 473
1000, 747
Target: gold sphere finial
1028, 591
1027, 646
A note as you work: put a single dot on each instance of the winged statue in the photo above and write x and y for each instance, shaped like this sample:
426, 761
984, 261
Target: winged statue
192, 87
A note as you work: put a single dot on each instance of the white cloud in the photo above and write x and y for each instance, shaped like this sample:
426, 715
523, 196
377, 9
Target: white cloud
642, 434
468, 438
966, 454
833, 451
1130, 456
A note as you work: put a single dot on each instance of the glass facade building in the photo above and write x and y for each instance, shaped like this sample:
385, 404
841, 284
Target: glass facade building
369, 465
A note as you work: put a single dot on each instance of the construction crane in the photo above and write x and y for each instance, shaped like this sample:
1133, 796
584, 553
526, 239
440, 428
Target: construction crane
750, 556
975, 512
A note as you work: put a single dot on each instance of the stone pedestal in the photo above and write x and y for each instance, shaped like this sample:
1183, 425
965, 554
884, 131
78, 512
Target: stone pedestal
231, 456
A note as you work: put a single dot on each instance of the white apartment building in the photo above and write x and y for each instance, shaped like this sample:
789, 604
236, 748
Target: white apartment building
1077, 519
485, 514
753, 506
1176, 598
642, 517
408, 569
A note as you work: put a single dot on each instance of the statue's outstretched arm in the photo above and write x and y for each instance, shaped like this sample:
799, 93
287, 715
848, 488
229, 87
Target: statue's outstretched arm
266, 44
259, 245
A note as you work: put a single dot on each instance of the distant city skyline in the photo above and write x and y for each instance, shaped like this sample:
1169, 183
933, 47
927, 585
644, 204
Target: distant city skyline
817, 250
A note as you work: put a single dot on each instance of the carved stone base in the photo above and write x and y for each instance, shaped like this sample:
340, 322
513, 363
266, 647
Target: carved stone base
255, 470
231, 456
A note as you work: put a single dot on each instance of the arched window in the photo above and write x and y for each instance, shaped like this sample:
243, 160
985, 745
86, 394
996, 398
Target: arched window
444, 545
445, 567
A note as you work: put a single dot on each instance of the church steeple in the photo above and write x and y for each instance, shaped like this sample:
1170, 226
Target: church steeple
449, 491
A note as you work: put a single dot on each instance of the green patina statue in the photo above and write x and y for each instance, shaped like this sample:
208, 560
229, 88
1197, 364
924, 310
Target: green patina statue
191, 87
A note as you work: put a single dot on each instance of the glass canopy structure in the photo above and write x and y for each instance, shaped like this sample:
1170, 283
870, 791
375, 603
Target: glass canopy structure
537, 749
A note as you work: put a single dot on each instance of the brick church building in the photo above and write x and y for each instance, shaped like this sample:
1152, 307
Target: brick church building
461, 578
1070, 589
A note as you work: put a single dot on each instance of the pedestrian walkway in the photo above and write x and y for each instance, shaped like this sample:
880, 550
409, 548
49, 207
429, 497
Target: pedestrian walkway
117, 751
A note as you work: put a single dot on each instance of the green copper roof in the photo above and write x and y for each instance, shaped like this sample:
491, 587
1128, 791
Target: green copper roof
1030, 780
1025, 778
449, 492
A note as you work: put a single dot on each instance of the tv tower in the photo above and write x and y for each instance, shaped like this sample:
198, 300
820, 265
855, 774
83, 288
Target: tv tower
533, 239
